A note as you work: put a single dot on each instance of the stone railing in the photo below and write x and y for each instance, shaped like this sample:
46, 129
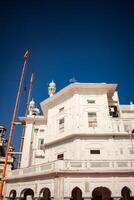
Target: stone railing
99, 165
118, 124
72, 166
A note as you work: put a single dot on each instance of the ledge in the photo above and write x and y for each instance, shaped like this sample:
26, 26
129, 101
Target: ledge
87, 135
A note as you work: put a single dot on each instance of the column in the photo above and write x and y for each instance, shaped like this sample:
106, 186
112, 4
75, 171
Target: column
59, 188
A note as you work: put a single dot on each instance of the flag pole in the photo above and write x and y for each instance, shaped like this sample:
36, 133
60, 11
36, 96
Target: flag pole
13, 124
23, 130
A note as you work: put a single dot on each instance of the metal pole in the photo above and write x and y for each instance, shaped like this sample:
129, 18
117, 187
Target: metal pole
12, 124
23, 130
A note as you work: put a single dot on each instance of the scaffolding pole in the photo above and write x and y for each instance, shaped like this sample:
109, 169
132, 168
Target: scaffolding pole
13, 123
23, 130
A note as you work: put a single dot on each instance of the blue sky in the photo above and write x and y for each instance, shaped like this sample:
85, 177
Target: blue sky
91, 40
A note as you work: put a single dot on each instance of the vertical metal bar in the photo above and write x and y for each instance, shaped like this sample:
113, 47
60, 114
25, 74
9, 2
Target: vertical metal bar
23, 130
12, 126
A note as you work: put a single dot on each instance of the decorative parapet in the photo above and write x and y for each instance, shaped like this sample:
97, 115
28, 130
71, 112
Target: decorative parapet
96, 166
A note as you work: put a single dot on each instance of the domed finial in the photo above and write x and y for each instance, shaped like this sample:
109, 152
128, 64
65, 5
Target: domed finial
32, 109
51, 88
131, 103
32, 103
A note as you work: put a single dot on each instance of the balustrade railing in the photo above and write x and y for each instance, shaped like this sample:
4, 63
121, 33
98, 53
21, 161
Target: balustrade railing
122, 125
71, 165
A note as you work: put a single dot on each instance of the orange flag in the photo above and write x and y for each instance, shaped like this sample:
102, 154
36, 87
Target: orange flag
26, 55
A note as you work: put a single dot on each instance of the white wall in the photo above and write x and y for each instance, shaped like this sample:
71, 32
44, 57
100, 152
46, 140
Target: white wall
79, 149
26, 151
31, 155
61, 188
75, 113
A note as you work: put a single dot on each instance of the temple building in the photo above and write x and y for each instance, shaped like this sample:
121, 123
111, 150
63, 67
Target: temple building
80, 148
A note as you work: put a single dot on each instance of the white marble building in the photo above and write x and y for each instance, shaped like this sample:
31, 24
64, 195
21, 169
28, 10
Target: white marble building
81, 148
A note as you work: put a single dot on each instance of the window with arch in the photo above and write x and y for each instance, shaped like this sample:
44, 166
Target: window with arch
76, 194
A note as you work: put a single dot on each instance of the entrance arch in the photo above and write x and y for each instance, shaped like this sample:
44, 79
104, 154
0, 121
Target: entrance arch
45, 194
27, 192
101, 193
12, 194
125, 193
76, 194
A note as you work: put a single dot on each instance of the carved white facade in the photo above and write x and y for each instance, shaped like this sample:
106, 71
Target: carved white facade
80, 148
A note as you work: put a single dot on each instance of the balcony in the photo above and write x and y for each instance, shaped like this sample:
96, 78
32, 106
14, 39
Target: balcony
122, 125
74, 166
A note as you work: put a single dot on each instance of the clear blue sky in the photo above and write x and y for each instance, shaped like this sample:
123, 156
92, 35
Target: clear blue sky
91, 40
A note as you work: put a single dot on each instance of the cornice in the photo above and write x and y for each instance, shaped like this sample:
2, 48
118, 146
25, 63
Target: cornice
84, 88
65, 138
56, 174
39, 119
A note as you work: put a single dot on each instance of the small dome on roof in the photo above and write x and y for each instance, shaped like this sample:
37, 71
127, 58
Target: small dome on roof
52, 84
51, 88
32, 103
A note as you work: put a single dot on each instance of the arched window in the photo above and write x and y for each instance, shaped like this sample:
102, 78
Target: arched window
12, 194
101, 193
76, 194
45, 194
125, 193
27, 192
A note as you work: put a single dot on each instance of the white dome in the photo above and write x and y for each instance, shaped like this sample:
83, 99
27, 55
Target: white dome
52, 84
32, 103
51, 88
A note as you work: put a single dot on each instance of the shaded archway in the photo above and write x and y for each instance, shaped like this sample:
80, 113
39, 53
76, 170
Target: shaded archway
27, 192
12, 194
101, 193
45, 194
125, 193
76, 194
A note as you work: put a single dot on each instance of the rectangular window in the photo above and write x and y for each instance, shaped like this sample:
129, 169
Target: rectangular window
90, 101
131, 151
61, 125
95, 151
92, 119
42, 130
127, 126
121, 151
60, 157
36, 130
113, 111
61, 109
40, 144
